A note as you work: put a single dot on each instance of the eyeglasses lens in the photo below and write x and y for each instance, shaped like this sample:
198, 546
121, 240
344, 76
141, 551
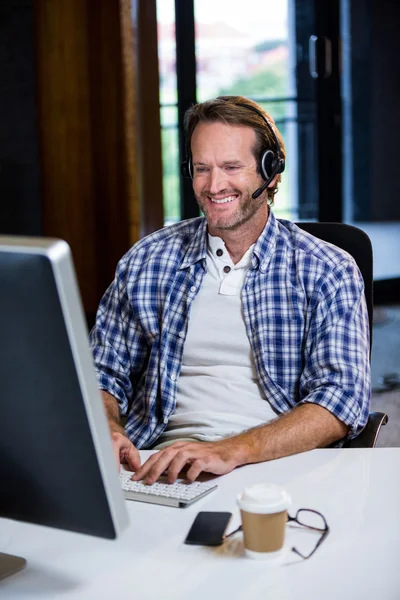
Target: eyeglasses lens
311, 519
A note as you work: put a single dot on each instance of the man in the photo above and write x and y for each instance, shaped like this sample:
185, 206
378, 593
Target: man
236, 337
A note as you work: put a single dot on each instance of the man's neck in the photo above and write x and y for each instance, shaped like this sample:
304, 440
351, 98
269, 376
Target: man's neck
238, 241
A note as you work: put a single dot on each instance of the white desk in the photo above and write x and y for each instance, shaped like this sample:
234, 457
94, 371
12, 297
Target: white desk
358, 491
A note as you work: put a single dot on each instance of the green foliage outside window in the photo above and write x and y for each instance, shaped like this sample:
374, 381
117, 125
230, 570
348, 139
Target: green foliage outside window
171, 174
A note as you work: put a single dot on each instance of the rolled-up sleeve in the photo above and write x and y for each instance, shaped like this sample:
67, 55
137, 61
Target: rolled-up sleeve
336, 373
117, 344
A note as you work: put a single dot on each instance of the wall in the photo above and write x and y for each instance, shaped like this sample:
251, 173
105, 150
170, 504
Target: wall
385, 113
20, 198
372, 118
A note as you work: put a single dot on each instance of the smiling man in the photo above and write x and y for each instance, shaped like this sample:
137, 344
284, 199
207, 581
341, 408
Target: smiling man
235, 337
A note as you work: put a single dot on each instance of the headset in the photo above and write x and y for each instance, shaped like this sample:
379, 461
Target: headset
270, 163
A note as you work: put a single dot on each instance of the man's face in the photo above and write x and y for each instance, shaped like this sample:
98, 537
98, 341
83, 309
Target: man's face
225, 176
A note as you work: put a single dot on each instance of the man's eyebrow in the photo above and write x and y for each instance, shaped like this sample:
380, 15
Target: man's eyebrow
226, 162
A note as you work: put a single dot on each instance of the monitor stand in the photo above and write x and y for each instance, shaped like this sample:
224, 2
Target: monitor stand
10, 564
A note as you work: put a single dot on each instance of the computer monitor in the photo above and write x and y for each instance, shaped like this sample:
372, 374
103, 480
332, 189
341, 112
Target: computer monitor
57, 466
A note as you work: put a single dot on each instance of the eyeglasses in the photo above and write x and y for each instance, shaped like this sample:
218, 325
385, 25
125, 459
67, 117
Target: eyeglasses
307, 518
313, 520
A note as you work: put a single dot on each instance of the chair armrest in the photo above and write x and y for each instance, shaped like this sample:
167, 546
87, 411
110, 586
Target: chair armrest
369, 435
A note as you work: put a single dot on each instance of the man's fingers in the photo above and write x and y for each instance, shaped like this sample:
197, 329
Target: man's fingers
145, 468
174, 459
178, 463
125, 452
153, 469
196, 468
131, 457
155, 466
117, 443
161, 465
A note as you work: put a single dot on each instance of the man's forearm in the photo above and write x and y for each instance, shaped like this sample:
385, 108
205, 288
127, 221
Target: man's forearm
306, 427
112, 411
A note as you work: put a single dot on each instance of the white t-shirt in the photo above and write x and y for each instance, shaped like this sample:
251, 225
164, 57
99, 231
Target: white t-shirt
218, 390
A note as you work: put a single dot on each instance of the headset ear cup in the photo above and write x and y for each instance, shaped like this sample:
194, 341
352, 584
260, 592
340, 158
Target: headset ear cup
186, 168
268, 164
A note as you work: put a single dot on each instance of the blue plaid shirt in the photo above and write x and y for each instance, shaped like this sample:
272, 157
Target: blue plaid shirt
304, 310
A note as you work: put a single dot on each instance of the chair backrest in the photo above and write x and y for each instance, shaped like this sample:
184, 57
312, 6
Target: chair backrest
357, 243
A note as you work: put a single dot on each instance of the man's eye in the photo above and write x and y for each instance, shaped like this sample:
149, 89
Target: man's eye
231, 168
201, 170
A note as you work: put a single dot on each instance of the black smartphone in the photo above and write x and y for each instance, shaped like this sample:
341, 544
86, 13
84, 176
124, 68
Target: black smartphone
208, 528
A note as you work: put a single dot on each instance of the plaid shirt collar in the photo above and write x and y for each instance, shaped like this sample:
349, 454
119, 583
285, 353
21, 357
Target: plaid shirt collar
266, 244
197, 249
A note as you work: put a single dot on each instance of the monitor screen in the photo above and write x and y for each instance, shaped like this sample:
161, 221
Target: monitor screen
57, 466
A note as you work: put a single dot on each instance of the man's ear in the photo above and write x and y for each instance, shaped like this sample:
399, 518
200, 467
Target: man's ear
274, 181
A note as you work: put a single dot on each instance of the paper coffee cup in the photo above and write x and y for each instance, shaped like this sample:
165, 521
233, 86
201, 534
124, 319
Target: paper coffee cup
263, 509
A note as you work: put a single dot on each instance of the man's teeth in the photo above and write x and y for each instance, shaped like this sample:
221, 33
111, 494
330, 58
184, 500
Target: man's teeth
223, 200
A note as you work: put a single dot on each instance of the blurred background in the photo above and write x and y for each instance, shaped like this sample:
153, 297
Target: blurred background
92, 99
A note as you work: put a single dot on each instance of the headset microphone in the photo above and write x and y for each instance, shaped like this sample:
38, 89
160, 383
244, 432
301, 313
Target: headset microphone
264, 186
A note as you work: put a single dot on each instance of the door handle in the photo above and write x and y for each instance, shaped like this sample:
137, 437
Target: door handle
320, 57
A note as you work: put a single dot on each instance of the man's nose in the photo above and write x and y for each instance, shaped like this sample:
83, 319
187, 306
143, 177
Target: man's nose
218, 180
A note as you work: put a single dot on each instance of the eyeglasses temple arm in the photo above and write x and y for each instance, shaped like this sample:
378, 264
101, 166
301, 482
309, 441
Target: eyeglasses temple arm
233, 532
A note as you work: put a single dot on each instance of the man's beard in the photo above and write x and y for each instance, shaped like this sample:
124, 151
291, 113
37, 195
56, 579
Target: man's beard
247, 207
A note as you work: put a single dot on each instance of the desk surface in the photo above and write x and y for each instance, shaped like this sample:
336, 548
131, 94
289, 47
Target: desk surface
357, 490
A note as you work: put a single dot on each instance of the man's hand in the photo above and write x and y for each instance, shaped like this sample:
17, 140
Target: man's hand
196, 457
125, 452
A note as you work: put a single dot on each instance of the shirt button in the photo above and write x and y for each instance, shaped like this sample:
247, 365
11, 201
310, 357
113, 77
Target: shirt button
181, 334
165, 420
219, 252
193, 288
227, 269
173, 377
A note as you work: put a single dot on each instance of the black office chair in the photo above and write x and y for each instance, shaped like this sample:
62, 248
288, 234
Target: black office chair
357, 243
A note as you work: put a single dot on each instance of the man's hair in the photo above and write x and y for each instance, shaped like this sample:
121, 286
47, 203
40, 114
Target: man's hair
227, 109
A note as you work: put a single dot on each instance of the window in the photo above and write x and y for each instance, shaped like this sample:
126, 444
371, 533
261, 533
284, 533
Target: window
257, 49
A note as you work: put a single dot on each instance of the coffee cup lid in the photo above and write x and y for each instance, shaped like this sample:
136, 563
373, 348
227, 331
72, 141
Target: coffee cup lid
264, 498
